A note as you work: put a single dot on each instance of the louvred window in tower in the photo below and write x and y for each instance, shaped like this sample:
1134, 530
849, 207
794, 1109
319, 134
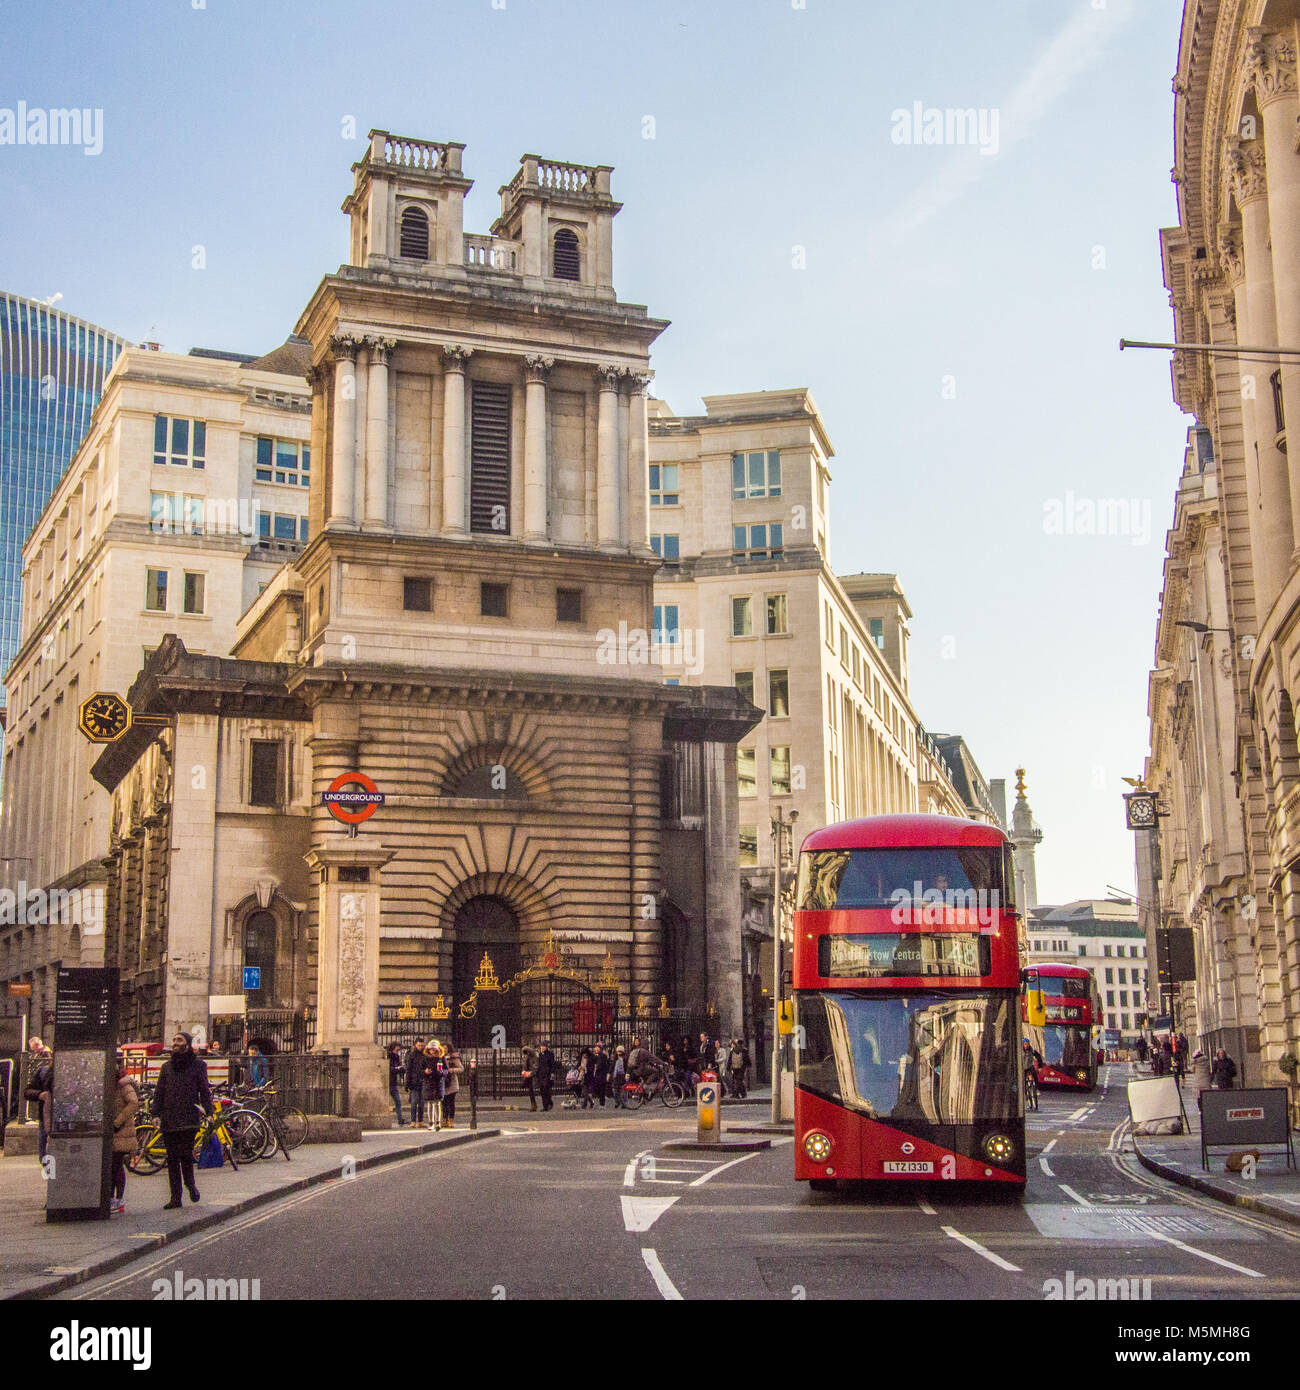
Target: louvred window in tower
415, 235
566, 261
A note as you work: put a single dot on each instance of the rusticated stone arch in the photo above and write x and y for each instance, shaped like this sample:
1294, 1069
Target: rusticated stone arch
517, 741
536, 908
522, 774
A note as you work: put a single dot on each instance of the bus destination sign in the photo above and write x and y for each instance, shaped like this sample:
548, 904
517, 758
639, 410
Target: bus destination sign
913, 955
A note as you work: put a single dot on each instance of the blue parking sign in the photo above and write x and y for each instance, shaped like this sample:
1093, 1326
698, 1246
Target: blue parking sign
252, 977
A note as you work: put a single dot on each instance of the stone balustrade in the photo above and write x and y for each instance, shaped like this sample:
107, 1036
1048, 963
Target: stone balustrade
493, 253
559, 177
435, 156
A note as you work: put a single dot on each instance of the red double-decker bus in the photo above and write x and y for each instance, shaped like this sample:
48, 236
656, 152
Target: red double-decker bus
907, 1004
1061, 1008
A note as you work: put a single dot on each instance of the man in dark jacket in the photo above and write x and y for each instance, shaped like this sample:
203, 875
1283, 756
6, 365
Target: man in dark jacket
180, 1100
545, 1073
1224, 1071
415, 1081
529, 1071
600, 1074
40, 1086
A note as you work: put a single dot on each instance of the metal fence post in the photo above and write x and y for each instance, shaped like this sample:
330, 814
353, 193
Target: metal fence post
346, 1082
473, 1093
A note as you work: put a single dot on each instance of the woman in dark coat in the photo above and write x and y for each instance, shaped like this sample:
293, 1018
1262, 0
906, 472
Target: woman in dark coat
180, 1100
127, 1107
396, 1076
599, 1074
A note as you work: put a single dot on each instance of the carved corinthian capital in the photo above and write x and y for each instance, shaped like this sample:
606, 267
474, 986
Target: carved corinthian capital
1270, 65
344, 347
1246, 171
380, 348
1230, 253
455, 357
608, 376
538, 368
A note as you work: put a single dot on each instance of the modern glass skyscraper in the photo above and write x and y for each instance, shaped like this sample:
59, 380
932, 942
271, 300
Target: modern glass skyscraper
52, 370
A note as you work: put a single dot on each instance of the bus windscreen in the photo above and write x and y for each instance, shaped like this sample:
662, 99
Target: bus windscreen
947, 1059
963, 877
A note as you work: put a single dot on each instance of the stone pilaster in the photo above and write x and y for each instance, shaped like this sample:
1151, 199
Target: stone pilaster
638, 458
536, 461
607, 508
376, 508
343, 461
455, 520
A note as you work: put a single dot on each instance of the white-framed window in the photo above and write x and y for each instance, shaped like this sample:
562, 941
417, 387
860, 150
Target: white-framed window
777, 617
155, 591
756, 474
744, 682
279, 527
194, 595
663, 485
746, 772
757, 541
778, 761
667, 547
844, 646
179, 441
666, 630
742, 617
748, 846
778, 694
283, 461
876, 626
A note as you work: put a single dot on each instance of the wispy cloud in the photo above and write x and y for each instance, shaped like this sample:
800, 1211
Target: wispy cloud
1078, 47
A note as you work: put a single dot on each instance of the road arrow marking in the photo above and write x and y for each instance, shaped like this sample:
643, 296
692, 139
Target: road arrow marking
640, 1213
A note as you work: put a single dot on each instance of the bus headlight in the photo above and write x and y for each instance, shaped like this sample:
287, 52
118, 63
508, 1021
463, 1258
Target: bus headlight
1082, 1075
998, 1148
817, 1146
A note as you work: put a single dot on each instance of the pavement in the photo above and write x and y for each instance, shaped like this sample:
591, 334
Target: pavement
1274, 1191
42, 1259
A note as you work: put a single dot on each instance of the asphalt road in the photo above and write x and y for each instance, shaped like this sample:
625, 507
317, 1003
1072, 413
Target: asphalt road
600, 1210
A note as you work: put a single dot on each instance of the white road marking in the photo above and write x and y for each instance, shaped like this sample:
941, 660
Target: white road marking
640, 1213
660, 1275
1205, 1255
722, 1167
1078, 1114
980, 1250
1074, 1196
926, 1207
1049, 1148
674, 1182
1042, 1163
629, 1173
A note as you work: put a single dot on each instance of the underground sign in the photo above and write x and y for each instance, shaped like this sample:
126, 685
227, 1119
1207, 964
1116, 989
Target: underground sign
352, 798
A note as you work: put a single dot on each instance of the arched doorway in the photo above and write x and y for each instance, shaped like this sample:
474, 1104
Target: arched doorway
260, 932
485, 925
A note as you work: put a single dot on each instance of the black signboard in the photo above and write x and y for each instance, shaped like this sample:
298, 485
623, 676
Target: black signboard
910, 954
1232, 1119
85, 1008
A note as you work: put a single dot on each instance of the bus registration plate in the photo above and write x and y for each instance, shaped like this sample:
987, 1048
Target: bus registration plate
909, 1166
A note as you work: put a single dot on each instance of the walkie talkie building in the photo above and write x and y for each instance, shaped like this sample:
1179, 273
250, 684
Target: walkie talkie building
52, 370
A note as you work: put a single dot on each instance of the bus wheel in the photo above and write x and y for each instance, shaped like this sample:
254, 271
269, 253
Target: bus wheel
822, 1184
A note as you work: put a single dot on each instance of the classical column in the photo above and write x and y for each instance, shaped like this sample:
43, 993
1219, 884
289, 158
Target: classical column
454, 520
1271, 69
607, 527
536, 463
638, 456
318, 378
376, 508
1272, 506
344, 459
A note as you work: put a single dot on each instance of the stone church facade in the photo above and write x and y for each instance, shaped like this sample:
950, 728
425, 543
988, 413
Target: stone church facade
479, 530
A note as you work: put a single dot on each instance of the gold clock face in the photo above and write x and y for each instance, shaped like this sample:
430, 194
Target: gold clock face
105, 717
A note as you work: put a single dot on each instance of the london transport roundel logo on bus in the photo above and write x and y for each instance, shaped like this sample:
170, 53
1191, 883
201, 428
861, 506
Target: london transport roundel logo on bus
352, 806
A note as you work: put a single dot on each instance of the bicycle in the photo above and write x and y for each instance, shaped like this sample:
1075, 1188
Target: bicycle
636, 1093
241, 1132
288, 1123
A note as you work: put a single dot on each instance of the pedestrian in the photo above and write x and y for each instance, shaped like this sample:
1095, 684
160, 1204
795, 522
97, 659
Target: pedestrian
618, 1078
528, 1073
452, 1070
396, 1076
599, 1074
1142, 1050
127, 1108
1200, 1071
573, 1080
585, 1079
1180, 1060
546, 1074
415, 1081
180, 1100
1224, 1071
40, 1090
433, 1083
736, 1069
256, 1065
639, 1061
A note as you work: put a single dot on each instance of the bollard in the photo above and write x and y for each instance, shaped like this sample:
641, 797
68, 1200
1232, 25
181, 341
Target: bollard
708, 1112
473, 1093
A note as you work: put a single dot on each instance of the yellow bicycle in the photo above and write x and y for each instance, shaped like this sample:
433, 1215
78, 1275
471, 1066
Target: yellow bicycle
242, 1132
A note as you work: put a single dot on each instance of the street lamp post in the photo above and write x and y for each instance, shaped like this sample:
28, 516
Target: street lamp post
780, 824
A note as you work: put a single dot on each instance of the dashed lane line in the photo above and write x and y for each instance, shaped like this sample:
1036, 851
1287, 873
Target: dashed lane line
660, 1275
1073, 1195
1042, 1163
722, 1168
981, 1250
926, 1207
1205, 1255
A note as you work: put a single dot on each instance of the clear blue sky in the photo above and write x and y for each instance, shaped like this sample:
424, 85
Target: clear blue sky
772, 130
